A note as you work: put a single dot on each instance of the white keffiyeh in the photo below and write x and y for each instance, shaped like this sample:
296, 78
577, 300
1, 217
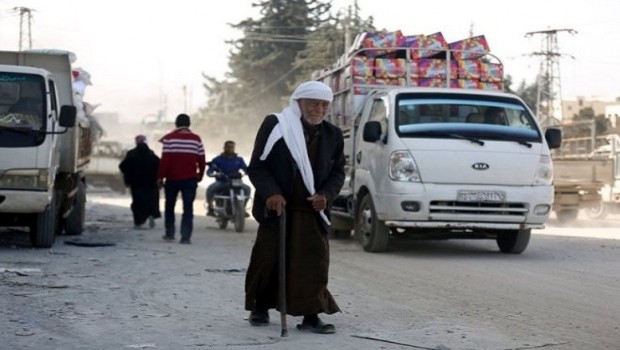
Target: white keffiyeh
290, 128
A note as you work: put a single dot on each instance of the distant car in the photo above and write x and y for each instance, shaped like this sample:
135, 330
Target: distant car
601, 152
103, 168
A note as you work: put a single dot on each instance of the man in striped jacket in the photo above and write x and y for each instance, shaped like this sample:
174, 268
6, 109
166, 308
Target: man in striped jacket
181, 168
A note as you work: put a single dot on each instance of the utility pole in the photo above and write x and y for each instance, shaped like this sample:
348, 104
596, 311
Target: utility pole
549, 86
24, 12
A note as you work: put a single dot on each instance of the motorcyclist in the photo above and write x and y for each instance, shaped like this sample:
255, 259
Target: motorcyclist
225, 164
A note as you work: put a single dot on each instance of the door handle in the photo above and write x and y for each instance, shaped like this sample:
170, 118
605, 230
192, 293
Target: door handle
358, 157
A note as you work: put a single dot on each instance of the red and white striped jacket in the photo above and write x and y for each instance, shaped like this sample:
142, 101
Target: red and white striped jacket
182, 156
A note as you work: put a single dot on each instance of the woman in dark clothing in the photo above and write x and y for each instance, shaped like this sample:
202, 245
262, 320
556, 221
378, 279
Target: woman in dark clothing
298, 164
139, 168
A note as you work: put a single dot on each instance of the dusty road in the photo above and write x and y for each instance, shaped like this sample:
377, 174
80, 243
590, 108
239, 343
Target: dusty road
142, 293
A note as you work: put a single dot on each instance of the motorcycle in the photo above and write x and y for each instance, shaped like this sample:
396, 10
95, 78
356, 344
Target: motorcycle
229, 203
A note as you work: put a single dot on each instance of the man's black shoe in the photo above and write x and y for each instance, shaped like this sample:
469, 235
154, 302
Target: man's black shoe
168, 238
316, 325
259, 318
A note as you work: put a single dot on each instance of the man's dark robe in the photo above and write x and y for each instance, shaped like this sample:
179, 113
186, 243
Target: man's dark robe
139, 170
307, 241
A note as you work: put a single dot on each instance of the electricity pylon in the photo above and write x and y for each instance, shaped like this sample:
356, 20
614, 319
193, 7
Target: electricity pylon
549, 85
27, 13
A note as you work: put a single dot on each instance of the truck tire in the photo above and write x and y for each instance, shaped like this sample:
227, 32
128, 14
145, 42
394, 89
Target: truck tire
597, 211
371, 232
74, 223
513, 241
43, 231
566, 216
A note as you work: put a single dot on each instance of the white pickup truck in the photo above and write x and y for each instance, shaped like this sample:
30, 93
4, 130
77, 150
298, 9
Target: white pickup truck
434, 162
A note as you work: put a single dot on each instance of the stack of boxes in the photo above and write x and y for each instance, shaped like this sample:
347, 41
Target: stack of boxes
417, 60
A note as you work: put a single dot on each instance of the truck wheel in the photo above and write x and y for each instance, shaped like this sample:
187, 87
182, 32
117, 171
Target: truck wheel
597, 211
74, 223
43, 231
239, 219
567, 216
372, 233
513, 241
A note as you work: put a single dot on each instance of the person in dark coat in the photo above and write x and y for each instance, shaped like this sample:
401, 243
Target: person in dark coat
139, 168
297, 163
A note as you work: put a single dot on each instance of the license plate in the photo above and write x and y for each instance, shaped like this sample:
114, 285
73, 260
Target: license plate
481, 196
236, 182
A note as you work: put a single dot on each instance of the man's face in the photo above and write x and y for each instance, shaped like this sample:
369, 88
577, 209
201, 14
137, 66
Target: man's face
312, 110
229, 148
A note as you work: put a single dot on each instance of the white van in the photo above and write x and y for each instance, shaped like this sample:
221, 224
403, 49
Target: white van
447, 163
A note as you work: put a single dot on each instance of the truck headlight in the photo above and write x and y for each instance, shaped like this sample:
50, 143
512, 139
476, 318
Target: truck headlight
25, 179
403, 167
544, 172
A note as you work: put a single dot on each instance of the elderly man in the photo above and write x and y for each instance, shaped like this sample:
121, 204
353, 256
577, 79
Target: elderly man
298, 164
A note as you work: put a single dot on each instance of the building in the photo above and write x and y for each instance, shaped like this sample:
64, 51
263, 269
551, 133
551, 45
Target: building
598, 105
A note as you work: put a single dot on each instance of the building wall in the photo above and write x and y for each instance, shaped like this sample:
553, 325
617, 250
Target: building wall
572, 107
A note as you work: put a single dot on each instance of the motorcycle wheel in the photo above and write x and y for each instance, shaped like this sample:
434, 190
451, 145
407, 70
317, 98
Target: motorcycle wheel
239, 216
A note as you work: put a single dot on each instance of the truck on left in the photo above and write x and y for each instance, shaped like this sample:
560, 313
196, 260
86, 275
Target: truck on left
44, 146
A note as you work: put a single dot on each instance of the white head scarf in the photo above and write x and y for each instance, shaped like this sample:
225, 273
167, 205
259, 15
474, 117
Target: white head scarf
289, 127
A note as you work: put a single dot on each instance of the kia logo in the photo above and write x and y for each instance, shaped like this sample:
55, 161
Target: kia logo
480, 166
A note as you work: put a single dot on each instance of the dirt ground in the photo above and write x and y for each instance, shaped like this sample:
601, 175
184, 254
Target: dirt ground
139, 292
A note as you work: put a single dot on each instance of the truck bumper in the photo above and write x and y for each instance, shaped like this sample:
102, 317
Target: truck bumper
24, 202
437, 206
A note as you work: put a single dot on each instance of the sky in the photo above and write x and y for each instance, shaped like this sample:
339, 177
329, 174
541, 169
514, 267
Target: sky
141, 56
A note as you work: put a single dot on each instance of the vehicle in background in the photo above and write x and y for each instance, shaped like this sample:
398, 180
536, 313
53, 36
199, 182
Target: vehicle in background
43, 150
452, 157
103, 168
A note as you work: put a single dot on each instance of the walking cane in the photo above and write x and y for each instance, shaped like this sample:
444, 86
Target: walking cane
282, 273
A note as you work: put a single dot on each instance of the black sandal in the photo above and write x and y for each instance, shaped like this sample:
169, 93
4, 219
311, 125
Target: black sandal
317, 327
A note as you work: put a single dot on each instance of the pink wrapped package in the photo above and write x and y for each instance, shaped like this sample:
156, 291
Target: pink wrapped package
469, 48
361, 66
468, 83
491, 85
468, 69
413, 70
491, 72
390, 67
357, 80
432, 82
382, 40
436, 68
391, 81
428, 45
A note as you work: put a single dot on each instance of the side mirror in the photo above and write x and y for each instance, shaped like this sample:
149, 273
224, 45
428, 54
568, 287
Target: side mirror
553, 137
68, 115
372, 131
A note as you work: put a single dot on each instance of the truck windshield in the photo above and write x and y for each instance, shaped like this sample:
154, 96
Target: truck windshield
479, 117
22, 106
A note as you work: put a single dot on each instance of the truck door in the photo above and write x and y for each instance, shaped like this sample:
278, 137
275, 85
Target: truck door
369, 156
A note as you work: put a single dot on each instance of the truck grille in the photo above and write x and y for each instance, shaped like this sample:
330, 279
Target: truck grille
478, 208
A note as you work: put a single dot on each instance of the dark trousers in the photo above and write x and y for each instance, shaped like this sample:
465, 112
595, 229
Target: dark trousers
187, 188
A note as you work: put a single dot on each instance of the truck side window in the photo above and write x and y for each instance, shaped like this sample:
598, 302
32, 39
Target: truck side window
53, 97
